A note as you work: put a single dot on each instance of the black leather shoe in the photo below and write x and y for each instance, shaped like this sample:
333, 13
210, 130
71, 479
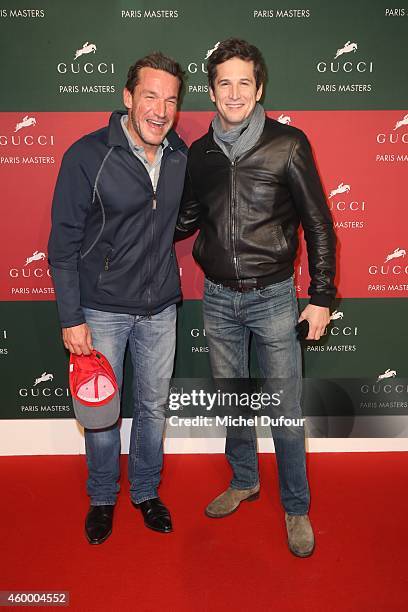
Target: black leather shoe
98, 523
155, 515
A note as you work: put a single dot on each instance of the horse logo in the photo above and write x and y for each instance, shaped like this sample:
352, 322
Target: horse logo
342, 188
36, 256
336, 315
285, 119
348, 48
211, 51
43, 378
25, 122
396, 254
403, 121
387, 374
86, 48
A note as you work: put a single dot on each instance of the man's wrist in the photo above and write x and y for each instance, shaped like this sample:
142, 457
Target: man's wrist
321, 299
67, 324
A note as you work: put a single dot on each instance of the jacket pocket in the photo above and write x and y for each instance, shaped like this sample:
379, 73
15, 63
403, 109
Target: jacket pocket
106, 264
119, 276
279, 239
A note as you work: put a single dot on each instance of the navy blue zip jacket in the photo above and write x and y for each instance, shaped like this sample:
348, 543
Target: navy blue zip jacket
111, 242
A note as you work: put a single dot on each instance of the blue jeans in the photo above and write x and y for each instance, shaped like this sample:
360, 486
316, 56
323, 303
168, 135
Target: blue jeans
152, 344
270, 315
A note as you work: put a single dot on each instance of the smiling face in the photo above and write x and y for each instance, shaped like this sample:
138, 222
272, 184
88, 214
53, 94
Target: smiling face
235, 93
152, 107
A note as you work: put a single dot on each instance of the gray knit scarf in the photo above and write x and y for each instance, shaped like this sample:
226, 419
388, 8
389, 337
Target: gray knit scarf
240, 139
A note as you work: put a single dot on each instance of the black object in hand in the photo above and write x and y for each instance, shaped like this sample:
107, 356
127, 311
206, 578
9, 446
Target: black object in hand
302, 329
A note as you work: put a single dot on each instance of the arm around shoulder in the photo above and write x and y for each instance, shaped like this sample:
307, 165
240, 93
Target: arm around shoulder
188, 220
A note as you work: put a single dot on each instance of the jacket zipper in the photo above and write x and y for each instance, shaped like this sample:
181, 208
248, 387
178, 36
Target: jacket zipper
233, 210
153, 223
149, 290
233, 214
107, 260
153, 209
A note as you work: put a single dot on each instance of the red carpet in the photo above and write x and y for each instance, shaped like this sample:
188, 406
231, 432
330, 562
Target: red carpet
359, 512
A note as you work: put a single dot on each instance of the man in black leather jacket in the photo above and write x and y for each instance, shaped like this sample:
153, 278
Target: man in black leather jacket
250, 183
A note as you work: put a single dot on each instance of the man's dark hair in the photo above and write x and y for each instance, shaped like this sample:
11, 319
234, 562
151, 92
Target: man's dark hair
236, 47
158, 61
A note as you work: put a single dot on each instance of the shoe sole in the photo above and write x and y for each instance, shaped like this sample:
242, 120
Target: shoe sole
158, 530
150, 526
251, 498
301, 555
96, 542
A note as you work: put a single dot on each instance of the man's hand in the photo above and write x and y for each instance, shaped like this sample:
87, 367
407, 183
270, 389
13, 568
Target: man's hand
318, 317
78, 339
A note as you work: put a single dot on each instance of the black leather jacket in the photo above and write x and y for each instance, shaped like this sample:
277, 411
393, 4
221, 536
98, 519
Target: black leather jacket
249, 211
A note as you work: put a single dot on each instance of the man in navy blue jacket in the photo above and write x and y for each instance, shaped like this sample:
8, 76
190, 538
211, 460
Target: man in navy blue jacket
116, 276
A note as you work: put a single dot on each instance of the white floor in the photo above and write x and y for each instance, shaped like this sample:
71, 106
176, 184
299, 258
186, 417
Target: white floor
65, 437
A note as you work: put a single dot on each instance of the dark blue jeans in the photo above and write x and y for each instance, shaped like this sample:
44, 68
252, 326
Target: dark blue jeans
151, 344
270, 314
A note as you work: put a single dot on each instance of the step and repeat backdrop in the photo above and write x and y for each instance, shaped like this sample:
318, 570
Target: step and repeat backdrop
338, 71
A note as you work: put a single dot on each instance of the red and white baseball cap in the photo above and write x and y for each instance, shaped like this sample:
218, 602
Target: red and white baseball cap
95, 393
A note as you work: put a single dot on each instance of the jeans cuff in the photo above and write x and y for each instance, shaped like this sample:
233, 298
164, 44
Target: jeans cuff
296, 509
98, 502
244, 487
144, 498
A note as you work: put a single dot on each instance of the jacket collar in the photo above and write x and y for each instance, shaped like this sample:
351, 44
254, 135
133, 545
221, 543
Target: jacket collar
211, 145
117, 138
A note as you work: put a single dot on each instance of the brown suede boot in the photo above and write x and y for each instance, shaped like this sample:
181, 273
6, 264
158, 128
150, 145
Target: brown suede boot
229, 501
300, 535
